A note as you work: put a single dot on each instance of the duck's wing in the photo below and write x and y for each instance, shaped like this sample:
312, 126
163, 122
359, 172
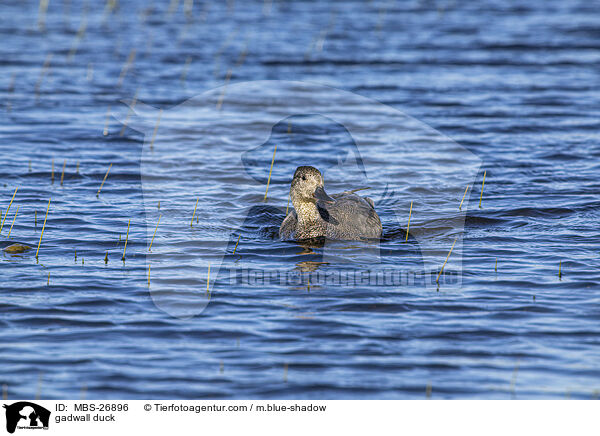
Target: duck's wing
288, 226
352, 217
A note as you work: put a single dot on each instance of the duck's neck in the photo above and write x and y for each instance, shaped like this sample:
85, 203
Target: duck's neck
307, 212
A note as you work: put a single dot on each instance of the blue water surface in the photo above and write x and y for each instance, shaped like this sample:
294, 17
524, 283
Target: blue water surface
514, 83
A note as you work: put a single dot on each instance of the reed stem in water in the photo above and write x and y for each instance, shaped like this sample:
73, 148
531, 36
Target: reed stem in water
9, 204
126, 67
463, 199
155, 229
13, 222
208, 281
126, 240
408, 226
194, 214
236, 244
43, 227
62, 176
105, 131
560, 269
482, 184
103, 180
154, 133
447, 257
270, 171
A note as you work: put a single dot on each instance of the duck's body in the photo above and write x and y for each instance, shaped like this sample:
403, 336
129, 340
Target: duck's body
342, 216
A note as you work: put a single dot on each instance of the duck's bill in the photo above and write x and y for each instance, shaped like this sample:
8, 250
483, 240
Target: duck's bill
321, 195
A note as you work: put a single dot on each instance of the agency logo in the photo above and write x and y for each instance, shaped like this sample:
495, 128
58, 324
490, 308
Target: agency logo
26, 415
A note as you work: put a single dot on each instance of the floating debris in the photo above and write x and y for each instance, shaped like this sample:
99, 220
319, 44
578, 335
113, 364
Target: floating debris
17, 248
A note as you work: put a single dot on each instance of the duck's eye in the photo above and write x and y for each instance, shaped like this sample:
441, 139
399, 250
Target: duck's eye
303, 177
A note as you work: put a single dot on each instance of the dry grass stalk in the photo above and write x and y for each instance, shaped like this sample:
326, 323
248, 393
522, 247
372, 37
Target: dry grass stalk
62, 176
222, 97
126, 67
131, 111
560, 269
43, 228
236, 244
463, 198
9, 204
447, 257
155, 229
408, 226
194, 214
45, 68
154, 134
42, 14
103, 180
105, 131
13, 222
78, 38
270, 171
186, 68
482, 185
208, 282
126, 240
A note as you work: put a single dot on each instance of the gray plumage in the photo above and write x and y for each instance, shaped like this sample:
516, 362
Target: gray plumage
344, 215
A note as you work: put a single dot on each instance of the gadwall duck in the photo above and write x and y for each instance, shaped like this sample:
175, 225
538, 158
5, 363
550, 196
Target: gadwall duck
344, 216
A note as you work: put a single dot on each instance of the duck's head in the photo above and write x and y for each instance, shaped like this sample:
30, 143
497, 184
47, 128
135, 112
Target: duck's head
308, 186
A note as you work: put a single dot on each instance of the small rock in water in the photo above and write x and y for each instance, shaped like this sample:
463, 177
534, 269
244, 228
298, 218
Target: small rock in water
17, 248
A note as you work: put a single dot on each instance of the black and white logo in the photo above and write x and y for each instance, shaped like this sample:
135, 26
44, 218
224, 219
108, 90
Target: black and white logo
26, 415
